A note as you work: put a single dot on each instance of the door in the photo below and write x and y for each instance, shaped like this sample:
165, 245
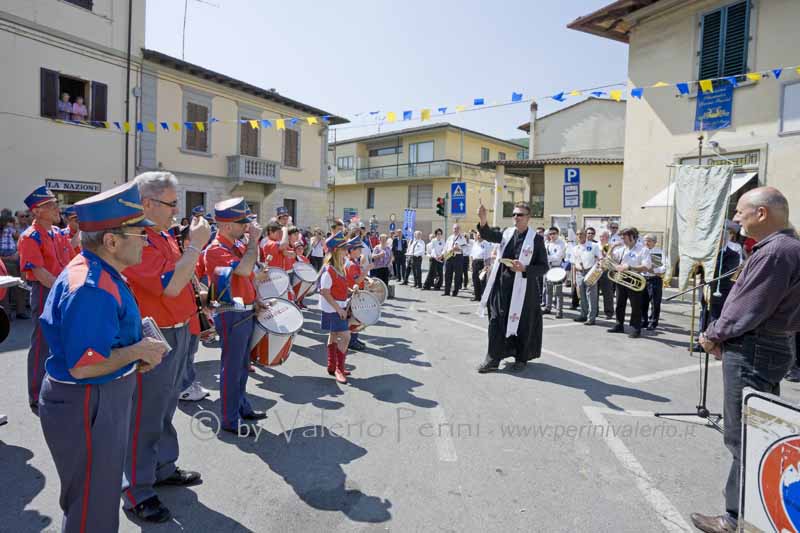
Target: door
291, 205
193, 199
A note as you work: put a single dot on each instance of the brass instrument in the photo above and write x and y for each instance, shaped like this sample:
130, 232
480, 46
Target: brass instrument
629, 279
207, 329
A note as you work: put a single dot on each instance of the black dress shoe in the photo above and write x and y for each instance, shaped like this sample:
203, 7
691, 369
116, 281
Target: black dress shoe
255, 415
712, 524
152, 510
609, 317
489, 365
793, 376
635, 334
580, 319
518, 366
180, 478
616, 329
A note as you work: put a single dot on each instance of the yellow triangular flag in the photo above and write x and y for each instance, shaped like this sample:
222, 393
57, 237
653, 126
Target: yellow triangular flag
754, 76
575, 93
425, 114
151, 127
254, 124
107, 125
312, 120
616, 94
661, 84
201, 126
391, 116
176, 126
126, 127
459, 108
280, 124
706, 86
798, 71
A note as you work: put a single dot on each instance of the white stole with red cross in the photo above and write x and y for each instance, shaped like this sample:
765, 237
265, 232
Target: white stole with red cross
520, 283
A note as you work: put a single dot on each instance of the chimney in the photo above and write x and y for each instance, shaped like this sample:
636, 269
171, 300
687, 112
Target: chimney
532, 132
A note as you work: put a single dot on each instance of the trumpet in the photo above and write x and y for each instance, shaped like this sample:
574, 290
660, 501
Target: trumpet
629, 279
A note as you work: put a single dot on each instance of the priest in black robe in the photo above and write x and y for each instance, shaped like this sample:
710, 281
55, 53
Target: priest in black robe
527, 343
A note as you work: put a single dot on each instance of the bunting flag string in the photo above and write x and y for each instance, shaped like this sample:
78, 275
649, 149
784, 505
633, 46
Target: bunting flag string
683, 88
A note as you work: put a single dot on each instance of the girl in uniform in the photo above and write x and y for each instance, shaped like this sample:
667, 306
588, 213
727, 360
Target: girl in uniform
333, 304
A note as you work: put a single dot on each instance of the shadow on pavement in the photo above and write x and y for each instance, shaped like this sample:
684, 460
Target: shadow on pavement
22, 483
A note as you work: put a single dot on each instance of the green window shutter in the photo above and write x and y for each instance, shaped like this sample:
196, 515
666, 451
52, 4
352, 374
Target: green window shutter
734, 52
710, 44
589, 199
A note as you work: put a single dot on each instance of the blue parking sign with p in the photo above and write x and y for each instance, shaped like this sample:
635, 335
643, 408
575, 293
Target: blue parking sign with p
572, 175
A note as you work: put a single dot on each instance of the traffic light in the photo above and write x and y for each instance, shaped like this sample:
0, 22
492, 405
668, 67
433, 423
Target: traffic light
440, 206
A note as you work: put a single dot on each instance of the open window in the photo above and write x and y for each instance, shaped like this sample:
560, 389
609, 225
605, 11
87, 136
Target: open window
70, 98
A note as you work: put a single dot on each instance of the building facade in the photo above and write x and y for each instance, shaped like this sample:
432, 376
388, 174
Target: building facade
383, 175
696, 40
56, 51
268, 166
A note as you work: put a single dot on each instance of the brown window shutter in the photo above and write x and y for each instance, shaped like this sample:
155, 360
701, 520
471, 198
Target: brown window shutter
248, 139
290, 148
99, 110
196, 139
49, 93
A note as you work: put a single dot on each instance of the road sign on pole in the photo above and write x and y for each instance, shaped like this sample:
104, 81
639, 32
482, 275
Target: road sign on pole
572, 187
458, 198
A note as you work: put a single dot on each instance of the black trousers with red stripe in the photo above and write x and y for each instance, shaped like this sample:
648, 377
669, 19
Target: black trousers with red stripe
86, 428
38, 352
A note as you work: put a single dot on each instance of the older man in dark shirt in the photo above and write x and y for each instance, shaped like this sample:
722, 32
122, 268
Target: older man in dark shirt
755, 332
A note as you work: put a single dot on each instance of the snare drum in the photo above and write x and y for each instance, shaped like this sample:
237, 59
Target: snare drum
304, 280
279, 323
556, 275
365, 310
377, 287
275, 286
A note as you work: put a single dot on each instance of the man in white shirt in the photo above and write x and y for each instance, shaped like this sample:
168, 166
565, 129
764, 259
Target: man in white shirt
613, 234
435, 262
454, 266
585, 254
414, 254
466, 257
655, 284
556, 249
479, 252
635, 258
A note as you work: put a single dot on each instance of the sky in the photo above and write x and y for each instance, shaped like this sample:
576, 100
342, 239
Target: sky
349, 56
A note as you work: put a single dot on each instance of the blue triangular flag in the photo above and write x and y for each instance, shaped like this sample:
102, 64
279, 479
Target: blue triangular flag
243, 121
293, 121
443, 110
732, 80
165, 126
777, 72
406, 115
139, 127
477, 101
189, 126
637, 92
683, 87
325, 118
516, 97
213, 120
118, 125
558, 97
598, 93
374, 112
266, 123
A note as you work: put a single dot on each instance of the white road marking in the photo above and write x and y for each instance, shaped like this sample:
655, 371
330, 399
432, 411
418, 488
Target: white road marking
669, 516
636, 379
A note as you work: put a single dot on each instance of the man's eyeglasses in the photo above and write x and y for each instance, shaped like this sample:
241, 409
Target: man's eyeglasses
519, 214
140, 235
172, 204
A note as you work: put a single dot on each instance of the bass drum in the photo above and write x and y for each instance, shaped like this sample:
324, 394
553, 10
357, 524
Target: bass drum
377, 287
279, 323
365, 310
275, 286
594, 275
556, 275
304, 280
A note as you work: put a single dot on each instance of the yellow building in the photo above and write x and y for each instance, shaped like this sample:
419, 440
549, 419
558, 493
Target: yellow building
382, 175
575, 165
696, 40
267, 166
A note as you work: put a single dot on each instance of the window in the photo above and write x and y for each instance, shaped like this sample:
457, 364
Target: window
291, 205
790, 108
291, 148
86, 4
388, 150
508, 209
420, 196
501, 156
344, 162
420, 152
522, 155
193, 199
590, 199
248, 138
484, 154
64, 97
371, 198
724, 35
195, 139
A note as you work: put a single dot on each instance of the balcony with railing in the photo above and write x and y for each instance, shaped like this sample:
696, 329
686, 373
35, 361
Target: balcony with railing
444, 168
247, 168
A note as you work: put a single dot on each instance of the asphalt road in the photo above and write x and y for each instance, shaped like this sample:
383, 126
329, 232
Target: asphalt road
418, 441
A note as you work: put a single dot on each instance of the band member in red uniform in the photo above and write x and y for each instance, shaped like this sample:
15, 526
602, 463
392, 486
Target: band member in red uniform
275, 247
71, 232
229, 264
333, 304
43, 254
356, 275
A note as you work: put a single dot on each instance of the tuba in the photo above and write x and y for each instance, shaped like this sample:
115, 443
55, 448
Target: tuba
631, 280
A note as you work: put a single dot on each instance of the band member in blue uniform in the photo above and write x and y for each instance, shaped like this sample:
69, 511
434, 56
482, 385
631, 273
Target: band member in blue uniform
229, 263
93, 327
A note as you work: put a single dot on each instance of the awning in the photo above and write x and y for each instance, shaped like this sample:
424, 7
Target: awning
665, 197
